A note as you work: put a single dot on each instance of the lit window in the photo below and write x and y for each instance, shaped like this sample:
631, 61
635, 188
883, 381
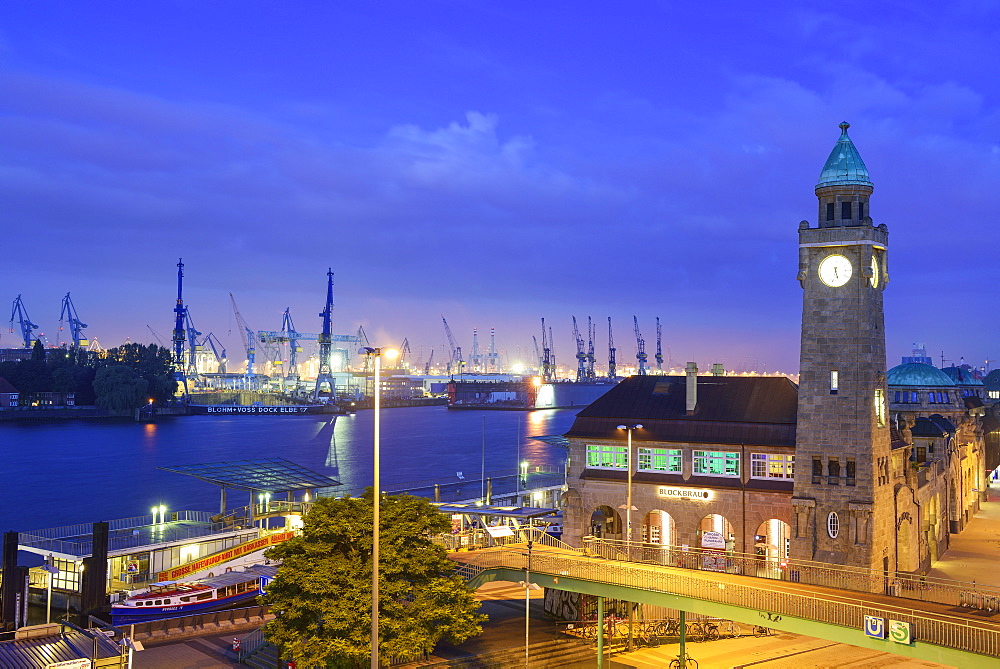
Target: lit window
880, 407
771, 466
716, 463
606, 456
660, 460
834, 381
833, 525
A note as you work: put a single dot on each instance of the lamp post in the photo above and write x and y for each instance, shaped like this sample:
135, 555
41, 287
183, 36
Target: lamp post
376, 354
51, 570
628, 502
528, 587
628, 514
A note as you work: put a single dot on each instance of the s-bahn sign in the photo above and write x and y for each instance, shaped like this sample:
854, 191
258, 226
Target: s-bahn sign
684, 493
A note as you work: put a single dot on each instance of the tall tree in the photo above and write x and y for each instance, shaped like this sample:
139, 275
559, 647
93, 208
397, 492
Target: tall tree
323, 589
153, 363
119, 389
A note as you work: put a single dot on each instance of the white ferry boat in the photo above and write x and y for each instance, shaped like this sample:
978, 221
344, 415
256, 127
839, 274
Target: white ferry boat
172, 599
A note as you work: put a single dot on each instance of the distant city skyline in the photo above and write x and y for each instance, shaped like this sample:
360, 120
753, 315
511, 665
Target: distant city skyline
495, 163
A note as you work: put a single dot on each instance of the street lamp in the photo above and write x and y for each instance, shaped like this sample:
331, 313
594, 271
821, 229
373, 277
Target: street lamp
628, 501
528, 587
51, 570
377, 354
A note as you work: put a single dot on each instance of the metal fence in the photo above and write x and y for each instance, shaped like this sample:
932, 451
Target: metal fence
220, 619
904, 585
975, 636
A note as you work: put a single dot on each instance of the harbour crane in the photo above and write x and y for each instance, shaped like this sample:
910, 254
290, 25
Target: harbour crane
476, 359
538, 355
612, 365
214, 344
591, 360
180, 315
659, 348
492, 356
156, 336
456, 350
581, 354
324, 375
193, 345
548, 360
404, 354
27, 327
249, 345
427, 367
76, 326
640, 348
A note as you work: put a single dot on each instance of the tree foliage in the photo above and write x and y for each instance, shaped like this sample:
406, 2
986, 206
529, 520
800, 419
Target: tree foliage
153, 363
119, 389
322, 595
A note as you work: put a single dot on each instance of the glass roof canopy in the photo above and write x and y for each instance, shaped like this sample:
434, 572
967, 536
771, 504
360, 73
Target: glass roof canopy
273, 475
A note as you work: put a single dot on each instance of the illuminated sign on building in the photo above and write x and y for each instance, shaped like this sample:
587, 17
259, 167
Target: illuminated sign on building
690, 493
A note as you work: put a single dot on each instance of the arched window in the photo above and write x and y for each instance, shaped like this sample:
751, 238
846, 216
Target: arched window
833, 525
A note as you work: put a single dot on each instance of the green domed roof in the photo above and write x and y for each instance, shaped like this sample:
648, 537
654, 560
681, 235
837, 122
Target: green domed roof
917, 374
961, 377
844, 167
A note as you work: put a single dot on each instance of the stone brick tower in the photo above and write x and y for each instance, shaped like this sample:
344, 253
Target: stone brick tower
843, 503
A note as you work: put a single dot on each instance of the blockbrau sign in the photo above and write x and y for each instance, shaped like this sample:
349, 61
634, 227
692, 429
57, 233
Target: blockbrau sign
690, 493
223, 556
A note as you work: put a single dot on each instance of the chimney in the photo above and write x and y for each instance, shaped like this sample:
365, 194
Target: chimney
692, 386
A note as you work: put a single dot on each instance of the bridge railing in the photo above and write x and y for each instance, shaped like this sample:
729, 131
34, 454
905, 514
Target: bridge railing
905, 585
975, 636
479, 538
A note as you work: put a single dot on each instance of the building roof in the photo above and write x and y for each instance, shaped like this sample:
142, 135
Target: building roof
917, 374
730, 410
43, 651
844, 167
961, 376
992, 380
272, 475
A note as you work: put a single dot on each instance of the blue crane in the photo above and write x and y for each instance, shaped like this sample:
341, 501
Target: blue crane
581, 354
591, 360
324, 377
612, 365
76, 326
214, 343
456, 350
659, 346
249, 345
178, 338
640, 348
193, 345
27, 327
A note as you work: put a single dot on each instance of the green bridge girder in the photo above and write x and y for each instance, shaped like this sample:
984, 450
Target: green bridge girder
749, 616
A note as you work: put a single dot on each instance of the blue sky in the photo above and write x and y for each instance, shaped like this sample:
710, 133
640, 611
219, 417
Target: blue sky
495, 162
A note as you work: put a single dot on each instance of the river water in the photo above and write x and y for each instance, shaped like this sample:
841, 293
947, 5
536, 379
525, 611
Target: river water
65, 472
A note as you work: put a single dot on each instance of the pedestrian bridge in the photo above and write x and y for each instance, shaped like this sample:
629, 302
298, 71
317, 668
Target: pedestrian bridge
941, 632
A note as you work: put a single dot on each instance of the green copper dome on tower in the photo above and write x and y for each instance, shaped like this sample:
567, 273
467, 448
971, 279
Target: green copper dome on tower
844, 167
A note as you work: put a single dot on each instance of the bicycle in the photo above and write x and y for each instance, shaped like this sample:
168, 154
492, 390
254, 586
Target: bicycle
760, 630
729, 629
711, 630
695, 632
689, 663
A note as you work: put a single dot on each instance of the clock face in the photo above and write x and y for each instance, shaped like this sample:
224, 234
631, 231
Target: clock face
874, 272
835, 270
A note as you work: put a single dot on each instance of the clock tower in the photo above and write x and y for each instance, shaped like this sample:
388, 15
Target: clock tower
843, 503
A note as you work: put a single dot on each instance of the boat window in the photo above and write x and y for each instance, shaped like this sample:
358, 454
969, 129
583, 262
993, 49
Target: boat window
158, 602
185, 599
204, 595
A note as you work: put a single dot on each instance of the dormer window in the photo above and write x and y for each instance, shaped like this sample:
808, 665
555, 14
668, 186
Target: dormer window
831, 211
845, 210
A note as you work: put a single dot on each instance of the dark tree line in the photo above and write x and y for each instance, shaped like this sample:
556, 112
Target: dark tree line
119, 379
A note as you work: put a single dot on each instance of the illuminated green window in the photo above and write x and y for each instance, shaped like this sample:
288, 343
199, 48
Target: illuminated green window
660, 460
606, 456
716, 463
